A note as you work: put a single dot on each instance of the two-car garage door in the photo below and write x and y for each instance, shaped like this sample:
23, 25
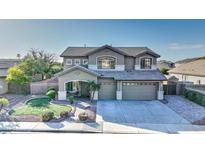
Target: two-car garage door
139, 90
131, 90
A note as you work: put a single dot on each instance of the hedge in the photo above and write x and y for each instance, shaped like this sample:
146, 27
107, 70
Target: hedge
195, 97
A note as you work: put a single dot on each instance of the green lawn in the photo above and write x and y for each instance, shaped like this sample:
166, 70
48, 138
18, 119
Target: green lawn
38, 106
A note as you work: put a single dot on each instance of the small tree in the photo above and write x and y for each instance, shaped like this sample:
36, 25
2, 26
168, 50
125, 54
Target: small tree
93, 87
17, 75
3, 102
165, 71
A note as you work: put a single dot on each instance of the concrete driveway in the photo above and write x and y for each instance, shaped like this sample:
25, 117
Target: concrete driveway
133, 112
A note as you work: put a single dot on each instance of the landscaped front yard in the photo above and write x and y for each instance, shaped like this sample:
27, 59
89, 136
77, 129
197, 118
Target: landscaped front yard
30, 108
38, 107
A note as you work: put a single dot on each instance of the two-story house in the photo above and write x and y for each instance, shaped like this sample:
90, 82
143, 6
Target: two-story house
127, 73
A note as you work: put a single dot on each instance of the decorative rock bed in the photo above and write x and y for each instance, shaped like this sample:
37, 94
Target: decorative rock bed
187, 109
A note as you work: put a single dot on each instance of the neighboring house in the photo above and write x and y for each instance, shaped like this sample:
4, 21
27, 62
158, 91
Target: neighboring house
127, 73
5, 64
184, 61
193, 71
165, 64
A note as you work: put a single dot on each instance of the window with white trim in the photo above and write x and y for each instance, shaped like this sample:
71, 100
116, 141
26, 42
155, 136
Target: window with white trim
77, 61
146, 63
85, 62
68, 61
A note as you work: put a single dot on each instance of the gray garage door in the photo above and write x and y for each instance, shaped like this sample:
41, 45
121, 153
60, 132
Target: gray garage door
3, 86
139, 91
107, 89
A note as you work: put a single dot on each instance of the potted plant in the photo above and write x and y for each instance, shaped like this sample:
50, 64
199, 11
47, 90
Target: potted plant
83, 116
71, 99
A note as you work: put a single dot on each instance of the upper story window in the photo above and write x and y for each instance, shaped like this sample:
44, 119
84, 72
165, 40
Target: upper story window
85, 62
106, 62
68, 61
77, 61
146, 63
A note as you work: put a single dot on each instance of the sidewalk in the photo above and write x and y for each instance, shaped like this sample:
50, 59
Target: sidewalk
51, 127
101, 127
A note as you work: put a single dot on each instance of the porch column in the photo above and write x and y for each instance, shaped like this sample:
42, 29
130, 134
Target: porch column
61, 95
160, 93
119, 90
96, 95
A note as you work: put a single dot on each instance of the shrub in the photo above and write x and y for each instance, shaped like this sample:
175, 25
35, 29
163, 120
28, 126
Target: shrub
51, 88
192, 96
165, 71
47, 116
203, 101
186, 92
64, 114
83, 116
195, 97
71, 99
3, 102
51, 94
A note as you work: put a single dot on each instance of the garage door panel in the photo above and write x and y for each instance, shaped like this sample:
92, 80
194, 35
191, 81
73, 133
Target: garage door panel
139, 91
107, 90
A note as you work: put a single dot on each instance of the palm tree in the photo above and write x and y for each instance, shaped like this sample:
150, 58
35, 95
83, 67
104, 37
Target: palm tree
93, 87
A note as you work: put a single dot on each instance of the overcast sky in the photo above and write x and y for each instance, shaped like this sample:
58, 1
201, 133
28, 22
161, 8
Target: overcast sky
172, 39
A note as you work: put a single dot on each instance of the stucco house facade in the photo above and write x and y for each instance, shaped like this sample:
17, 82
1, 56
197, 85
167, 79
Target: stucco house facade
125, 73
5, 64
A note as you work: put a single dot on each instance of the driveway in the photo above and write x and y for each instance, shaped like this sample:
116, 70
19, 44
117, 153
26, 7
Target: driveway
133, 112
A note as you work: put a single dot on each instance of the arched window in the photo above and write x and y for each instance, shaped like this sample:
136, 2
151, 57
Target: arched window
106, 62
146, 63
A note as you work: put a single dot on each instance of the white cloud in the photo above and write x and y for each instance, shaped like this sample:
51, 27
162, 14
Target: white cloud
178, 46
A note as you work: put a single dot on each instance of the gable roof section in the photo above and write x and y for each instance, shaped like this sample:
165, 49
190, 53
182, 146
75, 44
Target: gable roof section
148, 52
128, 51
195, 68
108, 47
79, 68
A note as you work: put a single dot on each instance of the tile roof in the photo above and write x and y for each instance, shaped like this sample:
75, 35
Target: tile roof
6, 63
84, 51
77, 67
196, 68
188, 60
140, 75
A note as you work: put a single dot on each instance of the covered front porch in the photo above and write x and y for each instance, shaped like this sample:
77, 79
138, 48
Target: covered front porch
77, 89
74, 81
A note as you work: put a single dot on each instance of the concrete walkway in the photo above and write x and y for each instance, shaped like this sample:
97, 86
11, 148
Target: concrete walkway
51, 127
100, 127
